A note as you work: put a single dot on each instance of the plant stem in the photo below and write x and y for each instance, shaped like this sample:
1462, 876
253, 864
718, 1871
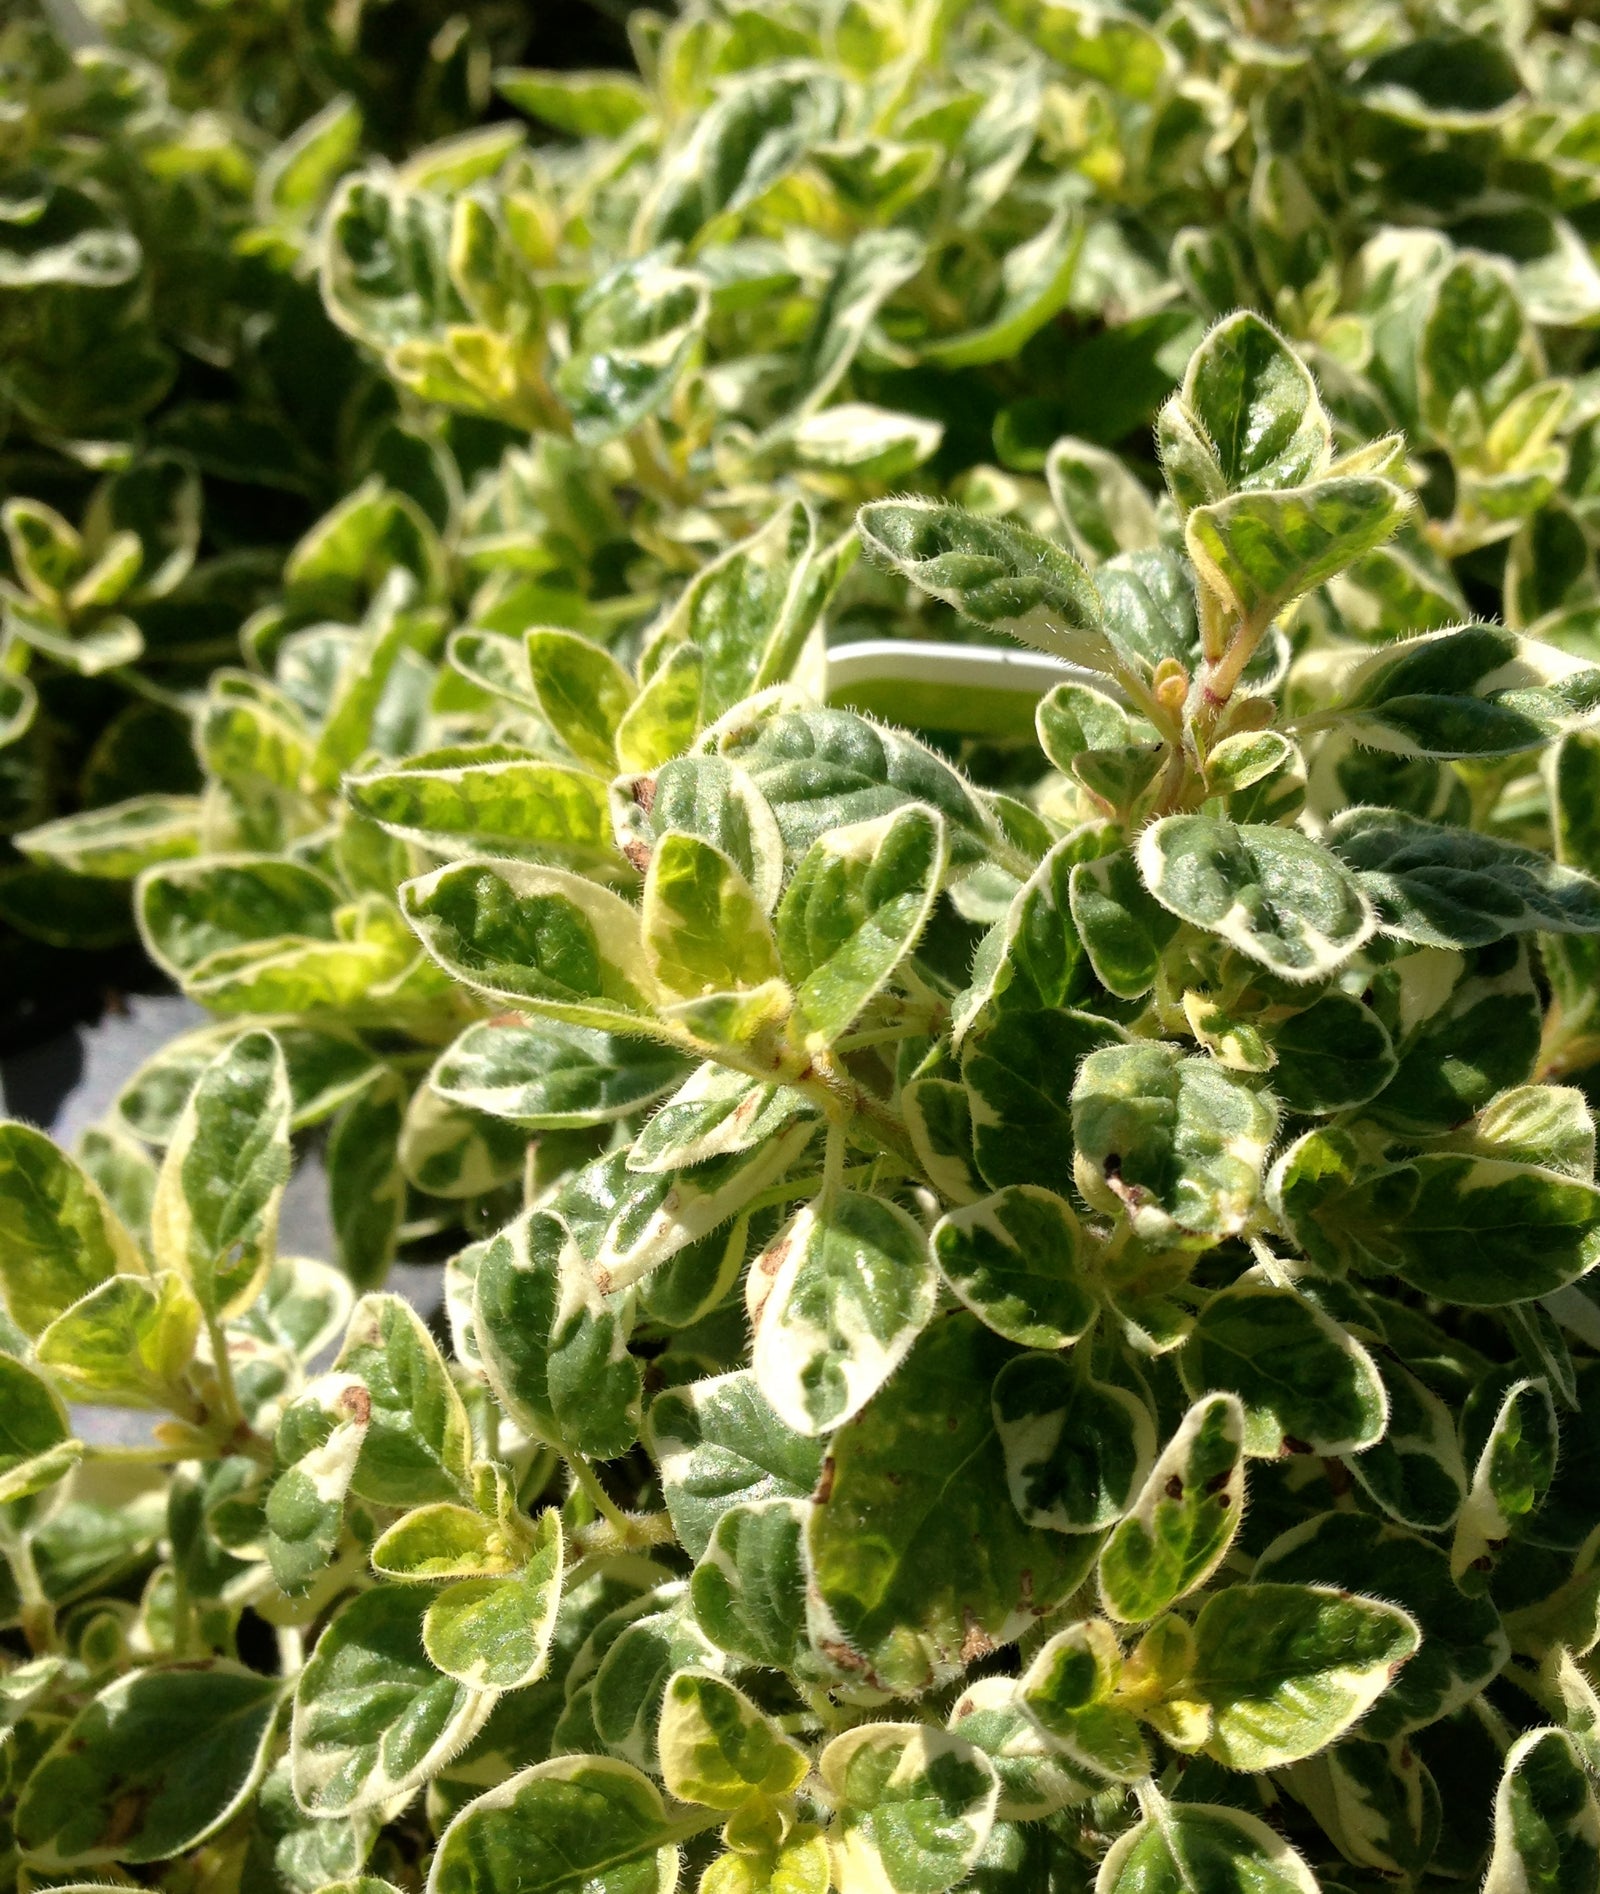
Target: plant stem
38, 1614
237, 1435
1220, 680
112, 1454
599, 1498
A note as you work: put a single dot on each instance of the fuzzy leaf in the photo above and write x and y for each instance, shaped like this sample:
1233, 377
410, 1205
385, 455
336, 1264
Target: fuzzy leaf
1184, 1518
1305, 1385
1446, 887
1276, 895
215, 1213
1015, 1260
915, 1806
158, 1761
859, 898
372, 1716
852, 1286
578, 1822
1076, 1449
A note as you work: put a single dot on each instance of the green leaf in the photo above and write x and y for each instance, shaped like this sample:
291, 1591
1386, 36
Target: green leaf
418, 1443
853, 911
1414, 1473
1021, 1123
126, 1342
1035, 1780
714, 1113
915, 1806
704, 929
1546, 1819
720, 1445
852, 1285
583, 104
668, 714
1477, 350
1376, 1802
1016, 1260
549, 1076
1276, 895
514, 1302
749, 1589
1076, 1449
1123, 929
635, 328
494, 1633
718, 1749
757, 130
155, 1763
319, 1441
630, 1683
535, 937
1467, 691
1476, 1231
1177, 1143
938, 1119
58, 1236
1463, 1645
1334, 1054
582, 690
747, 613
1446, 887
1188, 1845
575, 1823
490, 799
444, 1540
1185, 1516
1035, 283
115, 844
366, 1185
1471, 1027
652, 1215
993, 572
827, 769
1251, 401
215, 1213
1304, 1383
372, 1716
36, 1448
1512, 1477
870, 443
952, 1573
1259, 551
714, 799
1288, 1668
1103, 506
872, 268
1067, 1690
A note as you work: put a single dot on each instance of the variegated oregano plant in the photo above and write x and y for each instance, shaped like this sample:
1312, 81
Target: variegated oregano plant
1046, 1338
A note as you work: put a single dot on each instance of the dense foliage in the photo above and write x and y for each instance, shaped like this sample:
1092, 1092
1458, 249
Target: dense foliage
1017, 1305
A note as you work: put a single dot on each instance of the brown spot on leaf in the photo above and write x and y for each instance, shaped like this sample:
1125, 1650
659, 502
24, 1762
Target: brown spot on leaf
1173, 1488
977, 1642
1219, 1481
126, 1814
356, 1404
842, 1655
602, 1281
824, 1487
638, 854
643, 791
1293, 1445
